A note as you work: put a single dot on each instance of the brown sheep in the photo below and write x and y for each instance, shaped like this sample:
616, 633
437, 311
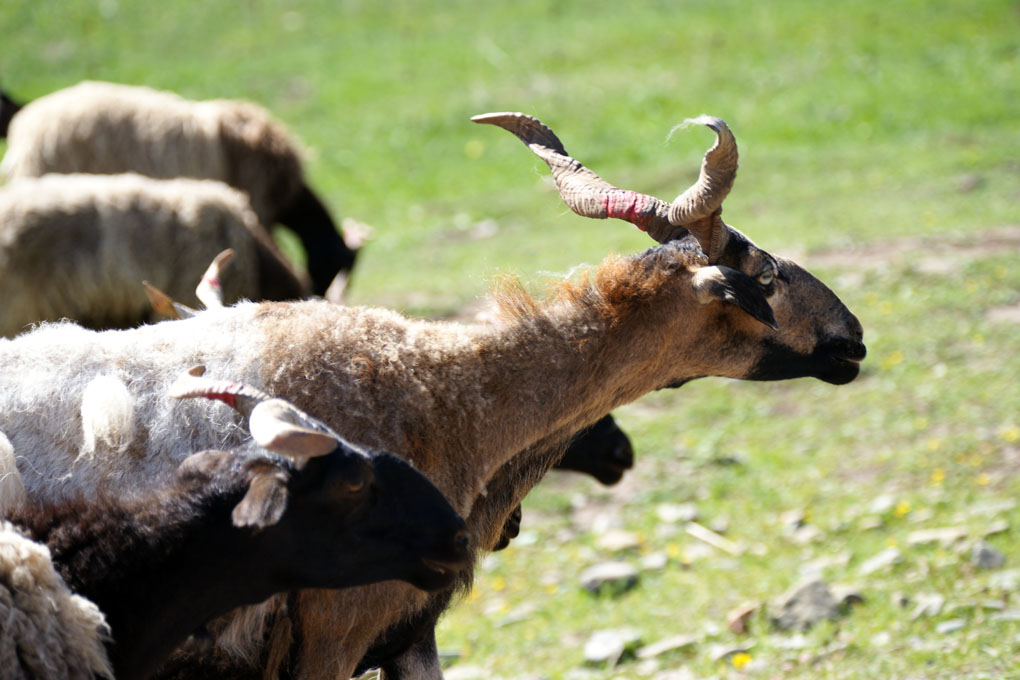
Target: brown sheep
476, 408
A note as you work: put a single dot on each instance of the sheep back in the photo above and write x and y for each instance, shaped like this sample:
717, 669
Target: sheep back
108, 128
79, 246
46, 631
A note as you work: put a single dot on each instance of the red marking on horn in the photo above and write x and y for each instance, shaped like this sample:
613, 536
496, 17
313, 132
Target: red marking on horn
629, 206
226, 397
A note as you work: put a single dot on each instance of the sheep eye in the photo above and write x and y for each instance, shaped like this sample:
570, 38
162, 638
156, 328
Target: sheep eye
766, 277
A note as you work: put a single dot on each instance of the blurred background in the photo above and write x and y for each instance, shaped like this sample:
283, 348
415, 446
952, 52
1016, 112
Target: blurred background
880, 146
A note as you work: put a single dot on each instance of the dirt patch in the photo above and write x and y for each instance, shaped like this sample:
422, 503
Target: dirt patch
936, 255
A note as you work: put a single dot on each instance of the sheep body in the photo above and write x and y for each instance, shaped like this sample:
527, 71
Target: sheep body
504, 397
108, 128
46, 631
79, 246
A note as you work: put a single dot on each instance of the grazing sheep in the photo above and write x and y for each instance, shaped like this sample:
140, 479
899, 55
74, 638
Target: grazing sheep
233, 528
78, 246
478, 409
107, 128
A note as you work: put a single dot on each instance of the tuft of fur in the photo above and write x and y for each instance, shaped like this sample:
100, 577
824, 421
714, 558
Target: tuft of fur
46, 631
107, 416
79, 246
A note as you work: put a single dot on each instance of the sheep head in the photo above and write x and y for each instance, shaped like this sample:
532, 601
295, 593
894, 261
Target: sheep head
803, 329
383, 518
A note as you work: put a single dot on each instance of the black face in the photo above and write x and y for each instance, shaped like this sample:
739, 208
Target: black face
809, 315
603, 451
388, 522
835, 361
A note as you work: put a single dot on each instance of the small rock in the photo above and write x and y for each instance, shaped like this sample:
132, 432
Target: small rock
673, 513
847, 596
870, 523
950, 626
792, 643
927, 604
1008, 580
739, 620
805, 605
1000, 526
1007, 615
618, 540
667, 645
945, 536
608, 646
882, 504
991, 508
808, 533
677, 674
612, 578
886, 558
655, 561
984, 556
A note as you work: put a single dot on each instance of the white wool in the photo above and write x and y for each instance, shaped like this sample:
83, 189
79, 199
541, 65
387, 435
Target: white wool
107, 416
47, 631
12, 489
48, 371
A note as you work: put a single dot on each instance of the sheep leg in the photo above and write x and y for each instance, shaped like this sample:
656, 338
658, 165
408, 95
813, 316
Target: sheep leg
327, 253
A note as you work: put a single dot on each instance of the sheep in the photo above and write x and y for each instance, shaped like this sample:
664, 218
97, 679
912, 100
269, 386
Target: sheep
78, 246
479, 409
8, 107
233, 528
108, 128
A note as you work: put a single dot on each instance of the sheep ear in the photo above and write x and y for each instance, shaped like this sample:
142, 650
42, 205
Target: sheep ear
723, 284
279, 427
265, 501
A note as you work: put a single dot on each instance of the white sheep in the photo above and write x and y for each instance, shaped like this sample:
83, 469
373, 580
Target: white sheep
107, 128
78, 246
46, 631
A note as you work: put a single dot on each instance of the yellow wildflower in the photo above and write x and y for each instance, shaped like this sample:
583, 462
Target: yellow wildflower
902, 508
938, 475
740, 659
1010, 434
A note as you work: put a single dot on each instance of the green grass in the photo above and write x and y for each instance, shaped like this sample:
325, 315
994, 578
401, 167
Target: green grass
859, 123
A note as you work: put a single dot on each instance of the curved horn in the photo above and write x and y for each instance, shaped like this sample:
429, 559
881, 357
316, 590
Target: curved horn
278, 426
275, 424
698, 208
209, 290
582, 190
242, 398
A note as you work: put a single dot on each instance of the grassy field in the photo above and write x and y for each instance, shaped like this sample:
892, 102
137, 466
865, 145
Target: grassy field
880, 144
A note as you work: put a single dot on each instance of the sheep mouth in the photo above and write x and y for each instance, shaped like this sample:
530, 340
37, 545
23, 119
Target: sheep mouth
437, 573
